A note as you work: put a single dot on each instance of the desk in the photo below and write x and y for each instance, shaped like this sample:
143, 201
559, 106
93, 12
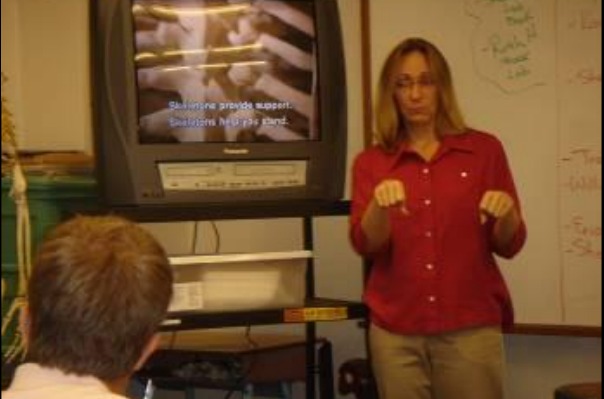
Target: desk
231, 361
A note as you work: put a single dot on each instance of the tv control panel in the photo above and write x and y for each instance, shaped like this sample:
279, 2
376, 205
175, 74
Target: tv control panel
233, 176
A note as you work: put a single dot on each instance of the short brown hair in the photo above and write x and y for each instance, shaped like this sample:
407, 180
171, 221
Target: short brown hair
389, 122
99, 289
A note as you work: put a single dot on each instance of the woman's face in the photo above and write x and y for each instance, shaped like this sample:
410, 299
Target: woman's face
414, 91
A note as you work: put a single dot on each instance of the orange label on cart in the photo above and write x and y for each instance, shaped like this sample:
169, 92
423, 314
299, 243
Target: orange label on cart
314, 314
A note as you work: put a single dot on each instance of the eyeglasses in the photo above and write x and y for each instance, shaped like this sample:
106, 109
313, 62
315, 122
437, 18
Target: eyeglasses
423, 82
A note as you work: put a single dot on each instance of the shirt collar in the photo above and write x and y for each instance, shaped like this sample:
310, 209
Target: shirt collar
30, 376
449, 142
457, 142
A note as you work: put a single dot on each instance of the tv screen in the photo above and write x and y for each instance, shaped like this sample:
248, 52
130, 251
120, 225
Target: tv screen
226, 71
200, 101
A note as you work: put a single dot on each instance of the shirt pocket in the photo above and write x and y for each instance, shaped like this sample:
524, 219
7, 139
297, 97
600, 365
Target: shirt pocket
459, 194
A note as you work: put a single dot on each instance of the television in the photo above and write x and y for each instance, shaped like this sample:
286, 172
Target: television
218, 101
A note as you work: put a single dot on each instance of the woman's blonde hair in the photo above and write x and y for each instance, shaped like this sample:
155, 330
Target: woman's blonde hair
390, 126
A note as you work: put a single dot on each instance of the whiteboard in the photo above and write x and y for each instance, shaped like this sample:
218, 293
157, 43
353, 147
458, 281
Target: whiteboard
528, 71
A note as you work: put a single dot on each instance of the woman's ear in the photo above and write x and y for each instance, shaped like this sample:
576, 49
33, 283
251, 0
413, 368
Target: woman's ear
148, 350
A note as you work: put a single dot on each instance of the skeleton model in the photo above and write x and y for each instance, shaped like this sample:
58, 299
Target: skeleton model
12, 167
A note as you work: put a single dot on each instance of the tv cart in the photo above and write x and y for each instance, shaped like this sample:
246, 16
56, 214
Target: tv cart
314, 310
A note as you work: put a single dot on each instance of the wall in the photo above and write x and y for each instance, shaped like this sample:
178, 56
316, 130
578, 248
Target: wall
45, 55
536, 364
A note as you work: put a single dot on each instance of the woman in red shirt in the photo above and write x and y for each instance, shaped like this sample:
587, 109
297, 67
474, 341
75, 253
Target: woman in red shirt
433, 203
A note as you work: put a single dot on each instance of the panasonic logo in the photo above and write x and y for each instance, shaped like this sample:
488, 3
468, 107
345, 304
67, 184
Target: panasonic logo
236, 151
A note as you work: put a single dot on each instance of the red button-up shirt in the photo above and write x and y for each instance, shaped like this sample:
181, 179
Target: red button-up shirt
437, 273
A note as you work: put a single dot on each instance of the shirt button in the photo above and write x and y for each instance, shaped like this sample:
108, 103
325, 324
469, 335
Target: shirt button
428, 234
430, 266
426, 171
432, 299
428, 202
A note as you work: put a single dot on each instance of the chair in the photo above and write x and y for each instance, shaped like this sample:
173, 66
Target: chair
355, 377
589, 390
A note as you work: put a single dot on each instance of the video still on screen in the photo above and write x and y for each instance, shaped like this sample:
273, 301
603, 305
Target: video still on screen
226, 71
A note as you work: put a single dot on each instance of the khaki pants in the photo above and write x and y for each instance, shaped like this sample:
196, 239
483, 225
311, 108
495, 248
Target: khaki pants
466, 364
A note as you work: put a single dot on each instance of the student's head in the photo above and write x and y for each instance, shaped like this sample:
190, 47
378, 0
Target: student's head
415, 88
100, 287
